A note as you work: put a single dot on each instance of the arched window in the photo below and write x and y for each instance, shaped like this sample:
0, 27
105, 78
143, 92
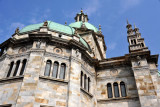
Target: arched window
62, 71
16, 69
81, 79
123, 89
48, 68
85, 80
142, 44
116, 89
55, 69
23, 66
134, 41
89, 81
10, 69
80, 17
109, 89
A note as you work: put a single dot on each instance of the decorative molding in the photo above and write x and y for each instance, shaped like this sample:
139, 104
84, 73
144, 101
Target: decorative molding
86, 92
11, 79
117, 99
56, 55
53, 79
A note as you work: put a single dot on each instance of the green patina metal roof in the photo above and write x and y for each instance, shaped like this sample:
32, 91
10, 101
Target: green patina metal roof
52, 26
56, 27
158, 73
88, 25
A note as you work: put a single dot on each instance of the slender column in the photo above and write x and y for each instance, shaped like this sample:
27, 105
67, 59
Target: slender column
119, 90
59, 68
13, 69
19, 69
51, 69
113, 90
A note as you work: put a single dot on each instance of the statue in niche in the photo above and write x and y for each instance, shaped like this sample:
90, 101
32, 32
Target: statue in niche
139, 60
38, 44
45, 23
77, 52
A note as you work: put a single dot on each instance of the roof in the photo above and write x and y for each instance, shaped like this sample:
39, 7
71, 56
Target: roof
52, 26
88, 25
56, 27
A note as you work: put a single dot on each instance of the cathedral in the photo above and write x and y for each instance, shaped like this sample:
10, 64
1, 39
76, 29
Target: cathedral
53, 65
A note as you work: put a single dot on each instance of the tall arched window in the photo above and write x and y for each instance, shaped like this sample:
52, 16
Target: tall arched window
134, 41
85, 80
10, 68
109, 89
16, 69
81, 79
55, 69
116, 89
23, 66
123, 89
89, 81
48, 68
142, 44
62, 71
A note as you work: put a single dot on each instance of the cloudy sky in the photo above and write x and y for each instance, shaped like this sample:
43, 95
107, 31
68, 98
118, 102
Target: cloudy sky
111, 14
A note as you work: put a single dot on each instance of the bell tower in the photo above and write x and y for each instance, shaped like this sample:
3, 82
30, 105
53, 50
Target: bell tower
136, 42
81, 17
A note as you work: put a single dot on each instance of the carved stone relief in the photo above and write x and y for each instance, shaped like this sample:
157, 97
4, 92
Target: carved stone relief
114, 72
23, 49
57, 50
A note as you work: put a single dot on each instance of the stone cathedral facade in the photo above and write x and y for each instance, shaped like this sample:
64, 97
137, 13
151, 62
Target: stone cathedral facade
54, 65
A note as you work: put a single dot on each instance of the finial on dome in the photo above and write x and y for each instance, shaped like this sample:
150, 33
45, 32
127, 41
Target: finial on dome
17, 30
45, 23
81, 10
65, 23
100, 29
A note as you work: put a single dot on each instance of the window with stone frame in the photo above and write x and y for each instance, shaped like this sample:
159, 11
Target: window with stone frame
109, 90
48, 68
16, 69
55, 69
116, 89
123, 89
62, 71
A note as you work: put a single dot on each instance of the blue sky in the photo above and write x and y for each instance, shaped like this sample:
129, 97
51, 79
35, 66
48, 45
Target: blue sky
111, 14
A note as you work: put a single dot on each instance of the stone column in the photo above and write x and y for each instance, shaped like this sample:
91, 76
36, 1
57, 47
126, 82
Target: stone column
74, 81
119, 89
13, 69
27, 95
113, 90
19, 68
146, 90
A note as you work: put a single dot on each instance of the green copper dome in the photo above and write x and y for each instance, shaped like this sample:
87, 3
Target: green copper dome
56, 27
88, 25
51, 25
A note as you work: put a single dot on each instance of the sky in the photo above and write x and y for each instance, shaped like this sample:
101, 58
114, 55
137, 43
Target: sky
110, 14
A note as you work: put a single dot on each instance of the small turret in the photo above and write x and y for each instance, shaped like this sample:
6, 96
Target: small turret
81, 17
136, 43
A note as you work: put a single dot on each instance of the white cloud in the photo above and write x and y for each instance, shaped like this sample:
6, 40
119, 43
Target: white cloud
14, 25
127, 4
39, 16
112, 46
92, 6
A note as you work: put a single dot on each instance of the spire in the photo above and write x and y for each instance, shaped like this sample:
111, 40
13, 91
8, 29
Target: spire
100, 29
129, 27
136, 30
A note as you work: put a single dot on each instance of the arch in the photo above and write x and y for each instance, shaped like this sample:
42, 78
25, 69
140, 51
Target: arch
62, 71
123, 89
16, 69
142, 45
48, 68
23, 66
109, 90
116, 89
10, 68
81, 79
134, 41
85, 80
55, 69
89, 81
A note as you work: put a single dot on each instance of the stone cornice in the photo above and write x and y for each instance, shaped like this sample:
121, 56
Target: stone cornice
53, 79
11, 79
87, 93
